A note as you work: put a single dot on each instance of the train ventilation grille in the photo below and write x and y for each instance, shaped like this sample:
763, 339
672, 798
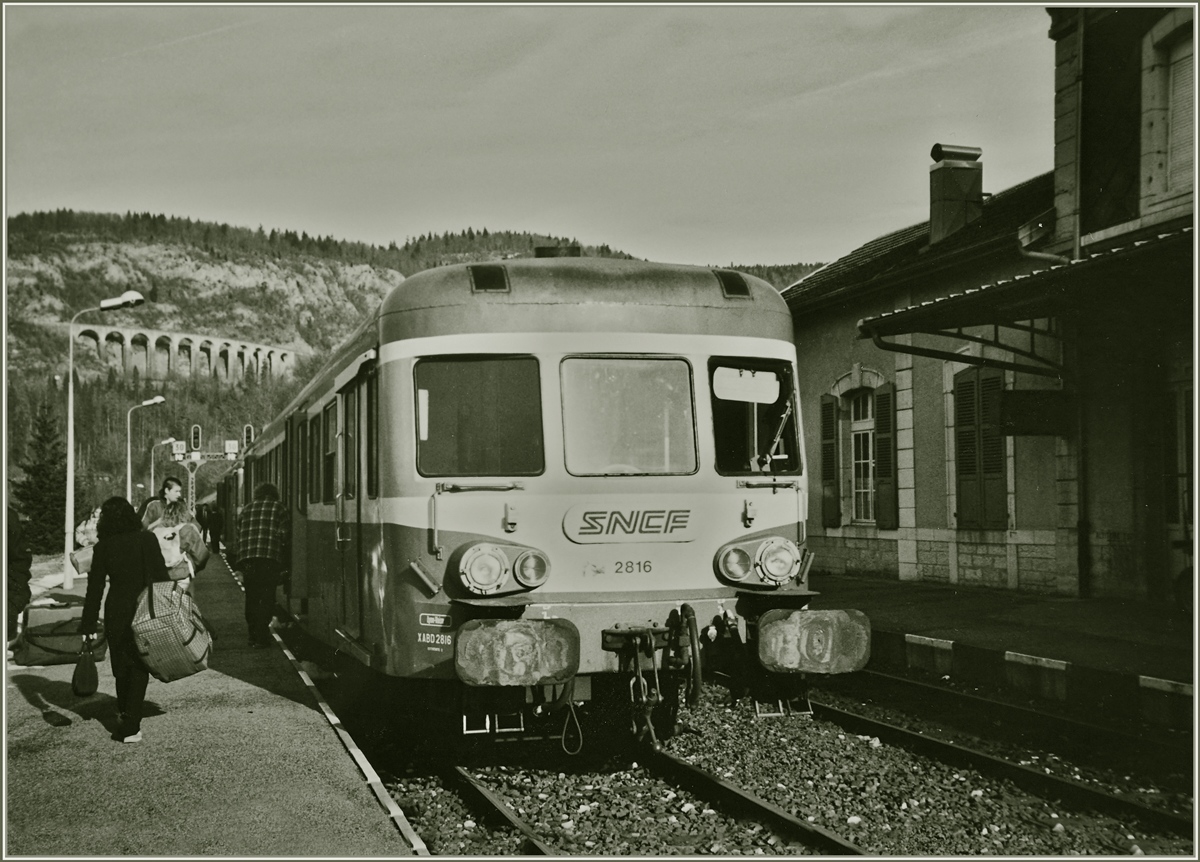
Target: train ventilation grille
488, 278
732, 283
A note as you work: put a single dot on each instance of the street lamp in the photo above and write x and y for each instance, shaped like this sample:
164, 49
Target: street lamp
154, 446
128, 299
149, 402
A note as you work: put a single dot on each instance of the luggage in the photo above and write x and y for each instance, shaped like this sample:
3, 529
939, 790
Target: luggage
170, 633
50, 635
85, 680
82, 559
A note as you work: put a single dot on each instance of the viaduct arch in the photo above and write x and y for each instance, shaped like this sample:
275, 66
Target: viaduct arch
158, 355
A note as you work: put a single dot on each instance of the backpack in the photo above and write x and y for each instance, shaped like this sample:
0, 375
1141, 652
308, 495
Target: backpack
178, 564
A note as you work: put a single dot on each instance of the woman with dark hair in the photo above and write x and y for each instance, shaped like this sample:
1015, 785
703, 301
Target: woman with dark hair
127, 557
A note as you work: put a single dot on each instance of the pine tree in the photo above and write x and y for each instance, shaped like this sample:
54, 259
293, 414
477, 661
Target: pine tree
43, 492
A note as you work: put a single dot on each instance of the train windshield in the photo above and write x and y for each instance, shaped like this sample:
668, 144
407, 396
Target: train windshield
628, 416
479, 416
754, 416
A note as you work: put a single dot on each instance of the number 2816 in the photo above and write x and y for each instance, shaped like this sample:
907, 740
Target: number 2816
630, 567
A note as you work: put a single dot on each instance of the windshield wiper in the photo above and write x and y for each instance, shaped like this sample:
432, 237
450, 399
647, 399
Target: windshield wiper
765, 460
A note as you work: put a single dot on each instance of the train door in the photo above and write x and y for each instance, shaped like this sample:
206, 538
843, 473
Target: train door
296, 503
353, 510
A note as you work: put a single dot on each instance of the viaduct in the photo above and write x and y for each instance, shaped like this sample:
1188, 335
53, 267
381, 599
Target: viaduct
157, 355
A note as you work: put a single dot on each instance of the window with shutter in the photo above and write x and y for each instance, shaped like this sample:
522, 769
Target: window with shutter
979, 450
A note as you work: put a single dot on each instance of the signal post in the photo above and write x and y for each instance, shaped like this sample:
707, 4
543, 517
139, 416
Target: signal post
193, 459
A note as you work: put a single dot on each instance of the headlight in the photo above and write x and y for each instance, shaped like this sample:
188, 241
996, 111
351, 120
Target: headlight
777, 561
484, 569
532, 569
736, 564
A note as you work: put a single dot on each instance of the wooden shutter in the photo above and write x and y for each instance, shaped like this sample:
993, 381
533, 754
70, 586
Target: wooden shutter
993, 466
887, 498
1181, 136
966, 449
979, 455
831, 491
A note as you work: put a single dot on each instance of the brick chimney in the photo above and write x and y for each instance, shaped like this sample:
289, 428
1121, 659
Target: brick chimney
955, 189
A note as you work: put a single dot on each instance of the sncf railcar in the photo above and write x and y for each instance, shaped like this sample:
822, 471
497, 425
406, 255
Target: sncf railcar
541, 482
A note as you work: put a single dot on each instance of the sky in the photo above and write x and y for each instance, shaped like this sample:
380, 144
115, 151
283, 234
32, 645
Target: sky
703, 134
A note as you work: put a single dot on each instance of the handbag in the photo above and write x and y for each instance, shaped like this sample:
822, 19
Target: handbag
85, 681
170, 633
82, 559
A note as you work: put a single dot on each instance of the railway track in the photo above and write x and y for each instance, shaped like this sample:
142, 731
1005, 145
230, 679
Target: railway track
1152, 750
1034, 781
753, 815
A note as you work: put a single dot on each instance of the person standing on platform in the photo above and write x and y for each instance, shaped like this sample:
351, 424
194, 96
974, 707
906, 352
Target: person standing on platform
171, 492
216, 523
126, 557
202, 521
261, 540
18, 560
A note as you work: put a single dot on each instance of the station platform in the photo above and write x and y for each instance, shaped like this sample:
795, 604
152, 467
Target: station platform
238, 760
1131, 660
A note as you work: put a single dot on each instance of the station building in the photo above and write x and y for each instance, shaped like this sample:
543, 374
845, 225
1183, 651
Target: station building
1004, 393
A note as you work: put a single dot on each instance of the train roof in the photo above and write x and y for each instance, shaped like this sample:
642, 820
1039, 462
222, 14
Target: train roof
562, 280
583, 294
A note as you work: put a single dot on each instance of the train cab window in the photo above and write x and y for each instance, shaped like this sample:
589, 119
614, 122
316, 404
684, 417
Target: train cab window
479, 416
754, 417
628, 416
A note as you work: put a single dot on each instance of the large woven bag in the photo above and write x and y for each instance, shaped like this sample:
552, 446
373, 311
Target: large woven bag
171, 635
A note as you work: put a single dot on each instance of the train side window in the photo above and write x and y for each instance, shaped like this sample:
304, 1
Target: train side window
754, 417
329, 453
373, 434
314, 460
628, 415
301, 465
479, 416
350, 444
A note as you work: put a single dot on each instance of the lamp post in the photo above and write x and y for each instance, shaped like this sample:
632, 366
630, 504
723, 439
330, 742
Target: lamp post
166, 442
149, 402
128, 299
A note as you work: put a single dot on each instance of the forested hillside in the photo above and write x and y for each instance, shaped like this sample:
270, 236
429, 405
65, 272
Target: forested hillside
270, 286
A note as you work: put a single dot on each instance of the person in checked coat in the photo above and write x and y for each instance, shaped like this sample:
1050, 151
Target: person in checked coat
126, 556
261, 542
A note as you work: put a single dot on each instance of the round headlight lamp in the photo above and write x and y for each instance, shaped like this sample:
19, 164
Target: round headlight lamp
777, 561
736, 564
532, 569
484, 569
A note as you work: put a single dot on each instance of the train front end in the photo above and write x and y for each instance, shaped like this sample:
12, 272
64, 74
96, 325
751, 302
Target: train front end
598, 477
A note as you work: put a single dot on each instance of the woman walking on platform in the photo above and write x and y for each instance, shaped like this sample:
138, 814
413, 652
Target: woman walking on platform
127, 557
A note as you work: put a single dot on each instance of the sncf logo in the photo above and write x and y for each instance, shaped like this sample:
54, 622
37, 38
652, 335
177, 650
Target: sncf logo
660, 519
633, 521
